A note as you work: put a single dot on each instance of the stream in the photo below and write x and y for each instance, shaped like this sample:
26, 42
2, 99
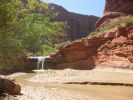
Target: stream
50, 85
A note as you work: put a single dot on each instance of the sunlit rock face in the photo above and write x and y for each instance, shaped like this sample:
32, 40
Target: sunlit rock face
117, 52
115, 9
111, 48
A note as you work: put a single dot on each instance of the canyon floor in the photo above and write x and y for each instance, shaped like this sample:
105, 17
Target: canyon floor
68, 84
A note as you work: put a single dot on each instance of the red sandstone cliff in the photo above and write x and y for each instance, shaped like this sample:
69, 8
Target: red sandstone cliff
111, 48
123, 6
115, 9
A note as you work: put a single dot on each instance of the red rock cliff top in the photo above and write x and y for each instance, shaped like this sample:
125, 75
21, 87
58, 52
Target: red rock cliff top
115, 9
123, 6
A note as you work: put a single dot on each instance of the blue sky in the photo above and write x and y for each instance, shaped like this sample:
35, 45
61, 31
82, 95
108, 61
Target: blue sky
87, 7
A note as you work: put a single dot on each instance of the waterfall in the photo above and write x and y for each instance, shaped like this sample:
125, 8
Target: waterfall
40, 61
43, 63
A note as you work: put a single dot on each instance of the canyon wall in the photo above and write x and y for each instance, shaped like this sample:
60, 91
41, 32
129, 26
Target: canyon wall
111, 48
80, 25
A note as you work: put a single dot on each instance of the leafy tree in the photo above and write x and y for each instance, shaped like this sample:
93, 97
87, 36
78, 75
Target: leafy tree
9, 44
24, 27
38, 25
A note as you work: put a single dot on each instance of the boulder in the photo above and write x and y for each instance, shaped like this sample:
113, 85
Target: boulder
8, 86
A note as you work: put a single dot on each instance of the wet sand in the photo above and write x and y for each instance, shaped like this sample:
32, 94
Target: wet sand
48, 85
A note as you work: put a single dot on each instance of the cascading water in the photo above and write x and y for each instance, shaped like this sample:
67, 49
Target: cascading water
40, 61
43, 63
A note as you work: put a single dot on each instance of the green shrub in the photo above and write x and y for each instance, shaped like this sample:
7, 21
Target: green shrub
110, 25
128, 21
46, 50
23, 28
93, 33
62, 44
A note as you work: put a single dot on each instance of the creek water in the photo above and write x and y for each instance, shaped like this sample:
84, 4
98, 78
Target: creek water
47, 85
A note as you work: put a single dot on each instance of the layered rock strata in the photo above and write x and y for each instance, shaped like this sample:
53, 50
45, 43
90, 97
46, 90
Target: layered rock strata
115, 9
113, 48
